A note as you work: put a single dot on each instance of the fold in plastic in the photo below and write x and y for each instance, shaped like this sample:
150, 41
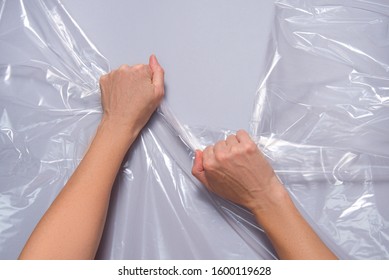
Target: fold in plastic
321, 117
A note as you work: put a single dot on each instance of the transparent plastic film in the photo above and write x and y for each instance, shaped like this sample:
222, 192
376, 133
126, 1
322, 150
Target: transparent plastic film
322, 117
49, 108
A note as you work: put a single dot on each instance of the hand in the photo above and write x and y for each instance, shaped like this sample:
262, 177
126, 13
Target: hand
236, 170
131, 94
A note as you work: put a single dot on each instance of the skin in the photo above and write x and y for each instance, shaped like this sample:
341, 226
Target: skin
235, 169
72, 226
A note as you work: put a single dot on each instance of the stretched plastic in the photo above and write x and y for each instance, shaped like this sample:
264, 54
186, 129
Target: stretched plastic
320, 117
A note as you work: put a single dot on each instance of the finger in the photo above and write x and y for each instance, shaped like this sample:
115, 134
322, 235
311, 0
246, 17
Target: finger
220, 146
198, 168
208, 158
243, 136
103, 82
208, 152
147, 69
231, 140
103, 78
157, 74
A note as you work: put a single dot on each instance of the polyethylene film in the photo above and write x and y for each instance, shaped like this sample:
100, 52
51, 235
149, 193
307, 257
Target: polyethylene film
320, 117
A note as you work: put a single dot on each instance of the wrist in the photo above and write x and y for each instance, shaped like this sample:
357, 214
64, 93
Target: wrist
270, 202
119, 133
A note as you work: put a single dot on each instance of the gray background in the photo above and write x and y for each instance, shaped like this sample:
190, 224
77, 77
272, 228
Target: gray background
213, 52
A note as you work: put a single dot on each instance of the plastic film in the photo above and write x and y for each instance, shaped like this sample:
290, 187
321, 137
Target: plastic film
322, 117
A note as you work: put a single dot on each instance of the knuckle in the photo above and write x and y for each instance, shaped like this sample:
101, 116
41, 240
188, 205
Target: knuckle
208, 165
208, 160
103, 79
250, 147
124, 68
235, 151
231, 139
159, 92
139, 67
241, 132
138, 70
143, 70
221, 156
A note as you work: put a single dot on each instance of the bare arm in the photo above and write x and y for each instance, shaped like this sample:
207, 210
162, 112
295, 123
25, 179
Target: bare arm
236, 170
72, 226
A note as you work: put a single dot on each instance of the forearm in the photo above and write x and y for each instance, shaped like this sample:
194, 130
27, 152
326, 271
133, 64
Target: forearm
72, 226
290, 234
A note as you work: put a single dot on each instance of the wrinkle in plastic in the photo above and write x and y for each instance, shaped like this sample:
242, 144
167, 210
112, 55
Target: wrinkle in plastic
320, 117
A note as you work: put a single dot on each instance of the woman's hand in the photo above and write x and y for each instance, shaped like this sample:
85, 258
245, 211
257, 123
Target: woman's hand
131, 94
236, 170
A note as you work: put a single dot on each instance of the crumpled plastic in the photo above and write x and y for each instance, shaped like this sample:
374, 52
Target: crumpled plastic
319, 117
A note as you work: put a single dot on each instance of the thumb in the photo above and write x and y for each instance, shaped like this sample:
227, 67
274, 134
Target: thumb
198, 168
157, 74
